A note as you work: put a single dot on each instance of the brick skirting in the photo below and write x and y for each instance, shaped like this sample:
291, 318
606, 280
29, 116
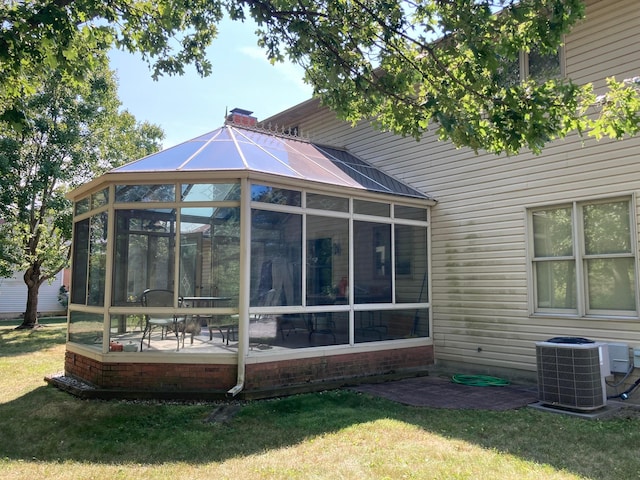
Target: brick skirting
259, 377
151, 376
295, 372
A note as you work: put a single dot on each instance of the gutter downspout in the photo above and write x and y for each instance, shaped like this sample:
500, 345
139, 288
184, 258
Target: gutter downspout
245, 275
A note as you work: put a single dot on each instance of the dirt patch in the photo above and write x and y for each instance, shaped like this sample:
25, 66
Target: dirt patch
223, 414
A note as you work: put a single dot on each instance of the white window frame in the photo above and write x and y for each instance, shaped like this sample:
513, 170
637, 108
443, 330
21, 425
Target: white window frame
524, 64
580, 258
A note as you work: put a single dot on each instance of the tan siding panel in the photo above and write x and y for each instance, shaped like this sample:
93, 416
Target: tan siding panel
605, 44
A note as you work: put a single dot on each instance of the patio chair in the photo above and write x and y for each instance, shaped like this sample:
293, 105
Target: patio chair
321, 323
166, 322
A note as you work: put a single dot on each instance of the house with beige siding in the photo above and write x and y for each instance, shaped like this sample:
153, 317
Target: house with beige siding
528, 247
250, 260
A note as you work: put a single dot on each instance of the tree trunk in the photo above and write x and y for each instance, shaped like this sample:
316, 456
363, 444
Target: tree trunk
33, 281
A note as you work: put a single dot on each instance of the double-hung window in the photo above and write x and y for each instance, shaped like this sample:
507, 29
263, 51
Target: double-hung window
541, 67
583, 259
531, 65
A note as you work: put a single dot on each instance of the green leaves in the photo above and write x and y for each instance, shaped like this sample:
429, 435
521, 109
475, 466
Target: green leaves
66, 35
452, 66
410, 66
69, 132
618, 109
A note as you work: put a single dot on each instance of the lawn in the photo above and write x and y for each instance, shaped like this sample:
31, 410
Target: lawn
46, 433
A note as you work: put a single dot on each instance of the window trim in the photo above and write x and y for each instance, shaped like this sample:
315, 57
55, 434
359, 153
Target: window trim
580, 258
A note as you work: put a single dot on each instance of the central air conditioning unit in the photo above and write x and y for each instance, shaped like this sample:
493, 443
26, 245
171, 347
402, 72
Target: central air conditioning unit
571, 373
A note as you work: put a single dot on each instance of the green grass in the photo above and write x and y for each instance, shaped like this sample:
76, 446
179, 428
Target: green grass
46, 433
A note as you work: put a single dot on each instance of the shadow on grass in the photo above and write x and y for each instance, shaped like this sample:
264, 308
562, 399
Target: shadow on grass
52, 332
50, 425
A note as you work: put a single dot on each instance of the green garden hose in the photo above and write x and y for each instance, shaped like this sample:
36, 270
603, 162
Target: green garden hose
479, 380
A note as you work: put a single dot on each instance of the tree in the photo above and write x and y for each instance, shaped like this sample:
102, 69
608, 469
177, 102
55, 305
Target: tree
442, 64
410, 65
70, 133
66, 34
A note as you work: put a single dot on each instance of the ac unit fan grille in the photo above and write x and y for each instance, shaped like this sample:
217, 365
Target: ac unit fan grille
570, 376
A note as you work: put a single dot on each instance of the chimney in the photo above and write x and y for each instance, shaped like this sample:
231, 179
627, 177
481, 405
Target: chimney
241, 117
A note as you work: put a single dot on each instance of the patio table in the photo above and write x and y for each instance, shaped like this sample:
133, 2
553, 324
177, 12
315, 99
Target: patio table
210, 302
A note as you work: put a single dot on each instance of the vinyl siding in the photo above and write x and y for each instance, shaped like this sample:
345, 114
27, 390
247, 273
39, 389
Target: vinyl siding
480, 287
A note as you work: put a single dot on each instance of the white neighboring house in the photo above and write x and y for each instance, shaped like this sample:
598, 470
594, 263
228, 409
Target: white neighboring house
13, 296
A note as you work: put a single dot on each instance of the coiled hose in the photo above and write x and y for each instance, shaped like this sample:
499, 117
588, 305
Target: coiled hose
479, 380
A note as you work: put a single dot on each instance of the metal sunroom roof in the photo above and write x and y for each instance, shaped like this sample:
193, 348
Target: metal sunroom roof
234, 147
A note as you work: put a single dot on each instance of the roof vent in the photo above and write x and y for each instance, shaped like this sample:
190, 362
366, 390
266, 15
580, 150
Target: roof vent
241, 117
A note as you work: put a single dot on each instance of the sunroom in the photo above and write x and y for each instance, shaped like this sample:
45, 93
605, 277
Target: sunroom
249, 261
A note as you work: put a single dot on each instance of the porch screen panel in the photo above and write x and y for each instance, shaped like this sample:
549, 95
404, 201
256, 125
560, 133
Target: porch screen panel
327, 202
97, 259
278, 196
327, 260
365, 207
210, 192
276, 259
210, 254
86, 328
299, 330
82, 206
146, 193
380, 325
411, 213
144, 250
372, 262
80, 262
411, 264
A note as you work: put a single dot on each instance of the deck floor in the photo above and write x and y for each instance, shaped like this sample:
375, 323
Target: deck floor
263, 335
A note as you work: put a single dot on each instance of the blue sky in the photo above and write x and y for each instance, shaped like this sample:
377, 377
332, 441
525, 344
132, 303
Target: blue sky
189, 105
